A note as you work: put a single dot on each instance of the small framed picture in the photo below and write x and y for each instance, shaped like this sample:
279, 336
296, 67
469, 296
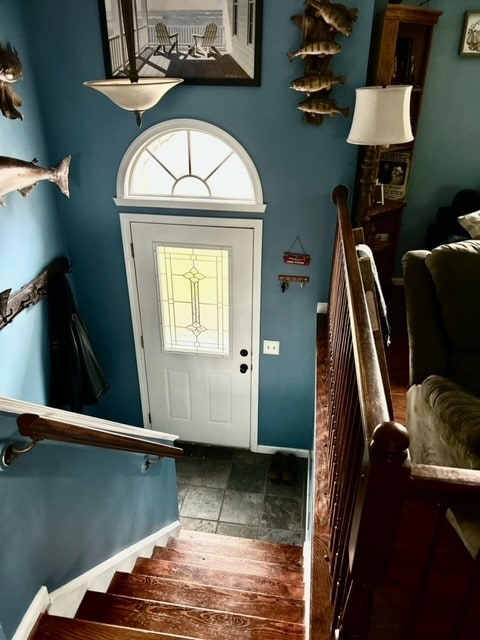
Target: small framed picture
393, 173
470, 42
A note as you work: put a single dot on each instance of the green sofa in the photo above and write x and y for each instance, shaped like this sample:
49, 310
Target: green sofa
442, 294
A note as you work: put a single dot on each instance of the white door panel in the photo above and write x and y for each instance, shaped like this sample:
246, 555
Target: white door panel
195, 298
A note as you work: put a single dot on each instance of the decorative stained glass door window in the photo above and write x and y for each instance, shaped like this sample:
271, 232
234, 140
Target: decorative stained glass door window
193, 284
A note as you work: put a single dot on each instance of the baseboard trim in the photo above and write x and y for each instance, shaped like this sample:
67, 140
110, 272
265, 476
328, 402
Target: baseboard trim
65, 600
38, 606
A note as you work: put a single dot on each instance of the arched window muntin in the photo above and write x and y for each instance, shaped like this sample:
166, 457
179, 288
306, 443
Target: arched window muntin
194, 163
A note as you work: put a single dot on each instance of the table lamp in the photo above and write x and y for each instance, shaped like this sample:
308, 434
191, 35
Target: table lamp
381, 118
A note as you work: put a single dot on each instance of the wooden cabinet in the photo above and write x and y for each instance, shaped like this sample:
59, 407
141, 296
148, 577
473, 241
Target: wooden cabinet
381, 229
401, 50
401, 43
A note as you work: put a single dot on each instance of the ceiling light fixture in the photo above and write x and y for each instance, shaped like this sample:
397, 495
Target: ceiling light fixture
133, 93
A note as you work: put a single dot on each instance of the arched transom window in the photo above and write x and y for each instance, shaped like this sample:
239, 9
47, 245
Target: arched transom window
188, 164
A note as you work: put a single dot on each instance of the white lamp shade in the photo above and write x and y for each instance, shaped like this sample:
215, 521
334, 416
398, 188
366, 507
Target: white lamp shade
134, 96
381, 116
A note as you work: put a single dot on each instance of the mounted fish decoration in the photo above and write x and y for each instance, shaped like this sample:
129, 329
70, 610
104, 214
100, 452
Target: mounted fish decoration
309, 26
336, 15
316, 82
21, 176
320, 23
319, 49
315, 108
10, 72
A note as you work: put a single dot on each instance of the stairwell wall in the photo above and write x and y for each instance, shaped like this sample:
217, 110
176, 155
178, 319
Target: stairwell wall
299, 165
65, 509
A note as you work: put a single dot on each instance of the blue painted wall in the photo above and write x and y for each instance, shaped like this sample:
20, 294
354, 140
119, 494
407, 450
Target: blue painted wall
446, 148
66, 509
30, 233
299, 165
60, 45
62, 509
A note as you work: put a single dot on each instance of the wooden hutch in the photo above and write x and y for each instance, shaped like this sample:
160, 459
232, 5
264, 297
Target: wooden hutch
400, 52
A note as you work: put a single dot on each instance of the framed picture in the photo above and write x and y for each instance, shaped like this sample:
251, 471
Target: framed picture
470, 42
201, 41
393, 173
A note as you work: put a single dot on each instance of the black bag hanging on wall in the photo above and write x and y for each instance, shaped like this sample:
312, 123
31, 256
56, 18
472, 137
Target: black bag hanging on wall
76, 378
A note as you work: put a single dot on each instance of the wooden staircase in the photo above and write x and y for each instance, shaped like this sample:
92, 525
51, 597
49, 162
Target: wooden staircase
199, 586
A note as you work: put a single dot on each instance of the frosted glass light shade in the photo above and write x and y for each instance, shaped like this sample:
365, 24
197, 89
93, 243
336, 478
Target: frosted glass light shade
134, 96
381, 116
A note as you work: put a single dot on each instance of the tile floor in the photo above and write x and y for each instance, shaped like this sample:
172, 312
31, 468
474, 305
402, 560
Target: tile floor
227, 491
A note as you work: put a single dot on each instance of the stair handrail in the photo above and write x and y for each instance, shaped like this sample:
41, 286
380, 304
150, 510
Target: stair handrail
368, 458
37, 429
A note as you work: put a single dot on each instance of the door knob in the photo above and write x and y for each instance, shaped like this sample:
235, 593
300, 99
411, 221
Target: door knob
243, 368
243, 353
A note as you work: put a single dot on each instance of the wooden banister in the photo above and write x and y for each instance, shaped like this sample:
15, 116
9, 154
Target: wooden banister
402, 535
37, 429
368, 453
373, 402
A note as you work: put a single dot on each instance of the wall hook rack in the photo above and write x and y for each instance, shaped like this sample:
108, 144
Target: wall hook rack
11, 304
285, 281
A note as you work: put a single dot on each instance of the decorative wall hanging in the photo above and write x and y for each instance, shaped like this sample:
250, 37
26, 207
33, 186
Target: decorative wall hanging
31, 293
299, 258
470, 43
203, 42
10, 72
21, 176
320, 23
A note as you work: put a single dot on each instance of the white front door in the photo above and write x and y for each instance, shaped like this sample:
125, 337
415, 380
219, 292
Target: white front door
194, 285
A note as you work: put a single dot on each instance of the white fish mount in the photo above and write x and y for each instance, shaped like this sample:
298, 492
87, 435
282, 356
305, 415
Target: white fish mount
19, 175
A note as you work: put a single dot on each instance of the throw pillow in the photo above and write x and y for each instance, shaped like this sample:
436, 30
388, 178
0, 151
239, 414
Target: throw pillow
471, 223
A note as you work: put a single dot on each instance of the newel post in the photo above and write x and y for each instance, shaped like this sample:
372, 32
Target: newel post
378, 506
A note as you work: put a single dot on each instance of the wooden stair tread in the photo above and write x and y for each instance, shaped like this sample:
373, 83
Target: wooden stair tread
59, 628
243, 547
208, 597
274, 555
282, 572
214, 577
181, 620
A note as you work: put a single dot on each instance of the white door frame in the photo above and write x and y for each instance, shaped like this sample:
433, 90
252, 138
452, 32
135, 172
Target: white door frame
257, 226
